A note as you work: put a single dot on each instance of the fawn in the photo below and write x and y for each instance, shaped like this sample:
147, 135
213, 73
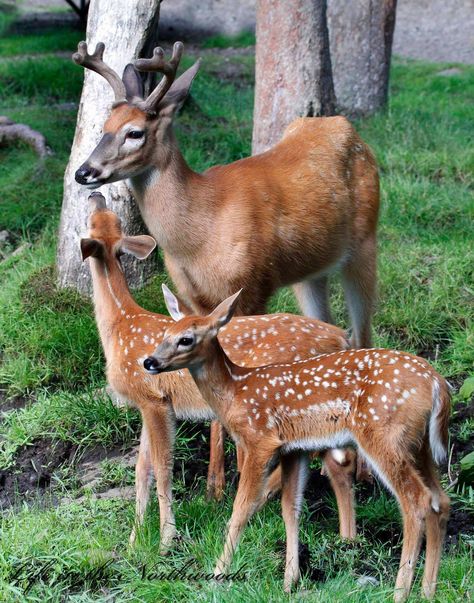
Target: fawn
393, 406
129, 333
289, 216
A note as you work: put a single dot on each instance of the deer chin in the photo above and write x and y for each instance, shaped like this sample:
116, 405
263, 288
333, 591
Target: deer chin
98, 182
95, 185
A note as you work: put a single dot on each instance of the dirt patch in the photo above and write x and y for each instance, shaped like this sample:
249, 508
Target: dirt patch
30, 476
461, 445
8, 403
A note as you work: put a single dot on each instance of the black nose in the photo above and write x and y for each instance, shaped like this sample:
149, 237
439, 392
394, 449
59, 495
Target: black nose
151, 364
83, 173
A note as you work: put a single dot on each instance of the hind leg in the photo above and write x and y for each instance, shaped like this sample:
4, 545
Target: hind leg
313, 299
436, 522
340, 467
414, 498
359, 281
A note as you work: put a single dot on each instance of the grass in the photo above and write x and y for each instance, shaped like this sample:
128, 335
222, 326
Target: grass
241, 40
52, 41
50, 351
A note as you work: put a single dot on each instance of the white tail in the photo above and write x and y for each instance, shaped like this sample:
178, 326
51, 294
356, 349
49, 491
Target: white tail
380, 400
439, 421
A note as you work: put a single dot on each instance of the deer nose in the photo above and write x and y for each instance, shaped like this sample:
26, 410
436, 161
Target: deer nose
151, 365
85, 172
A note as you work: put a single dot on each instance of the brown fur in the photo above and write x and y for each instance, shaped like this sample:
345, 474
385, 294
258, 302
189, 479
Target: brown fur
391, 404
288, 216
129, 333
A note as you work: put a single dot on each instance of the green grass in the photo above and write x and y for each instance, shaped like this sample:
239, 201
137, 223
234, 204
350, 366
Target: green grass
52, 41
50, 350
243, 39
74, 539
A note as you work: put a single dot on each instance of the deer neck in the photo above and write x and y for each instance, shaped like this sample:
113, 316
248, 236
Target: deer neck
112, 298
167, 193
216, 379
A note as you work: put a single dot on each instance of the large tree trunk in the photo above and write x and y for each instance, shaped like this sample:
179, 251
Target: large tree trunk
293, 67
361, 34
128, 29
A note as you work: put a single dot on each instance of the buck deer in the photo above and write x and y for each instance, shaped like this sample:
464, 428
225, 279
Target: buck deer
129, 333
393, 406
289, 216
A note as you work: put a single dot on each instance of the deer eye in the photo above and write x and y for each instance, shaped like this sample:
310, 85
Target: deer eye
186, 341
135, 134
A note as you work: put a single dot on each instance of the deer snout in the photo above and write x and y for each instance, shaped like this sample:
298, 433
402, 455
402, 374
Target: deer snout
152, 365
86, 174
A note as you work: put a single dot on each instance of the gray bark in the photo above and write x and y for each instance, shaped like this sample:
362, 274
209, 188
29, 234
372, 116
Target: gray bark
293, 67
361, 34
128, 29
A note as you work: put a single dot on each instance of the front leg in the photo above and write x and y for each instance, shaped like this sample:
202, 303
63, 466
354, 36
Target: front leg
143, 479
294, 470
216, 470
160, 422
251, 485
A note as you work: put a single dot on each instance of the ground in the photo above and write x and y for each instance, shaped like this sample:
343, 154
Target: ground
66, 452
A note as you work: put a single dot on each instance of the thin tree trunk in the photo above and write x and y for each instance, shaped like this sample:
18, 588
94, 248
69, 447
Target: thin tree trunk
128, 29
293, 67
361, 35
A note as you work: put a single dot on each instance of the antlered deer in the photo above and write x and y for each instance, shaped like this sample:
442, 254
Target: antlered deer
393, 406
289, 216
129, 333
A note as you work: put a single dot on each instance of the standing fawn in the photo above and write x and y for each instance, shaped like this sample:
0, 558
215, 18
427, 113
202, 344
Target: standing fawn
129, 333
289, 216
393, 406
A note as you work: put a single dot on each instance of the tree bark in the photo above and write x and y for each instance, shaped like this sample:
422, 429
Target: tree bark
293, 67
128, 29
361, 35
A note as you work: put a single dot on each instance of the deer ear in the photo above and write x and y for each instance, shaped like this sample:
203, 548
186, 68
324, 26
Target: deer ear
176, 95
91, 248
172, 303
140, 246
133, 82
225, 310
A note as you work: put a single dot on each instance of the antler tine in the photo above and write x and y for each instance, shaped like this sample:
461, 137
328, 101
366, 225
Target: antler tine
95, 63
168, 68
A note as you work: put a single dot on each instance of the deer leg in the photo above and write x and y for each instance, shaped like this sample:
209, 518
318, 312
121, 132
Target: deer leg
240, 457
143, 479
246, 503
272, 486
415, 500
160, 423
294, 469
215, 473
436, 522
340, 467
359, 280
313, 298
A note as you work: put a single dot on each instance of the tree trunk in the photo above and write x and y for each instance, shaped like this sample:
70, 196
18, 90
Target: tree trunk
128, 29
361, 35
293, 67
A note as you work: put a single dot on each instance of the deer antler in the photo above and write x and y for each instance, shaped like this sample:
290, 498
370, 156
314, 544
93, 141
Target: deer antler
167, 68
95, 63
